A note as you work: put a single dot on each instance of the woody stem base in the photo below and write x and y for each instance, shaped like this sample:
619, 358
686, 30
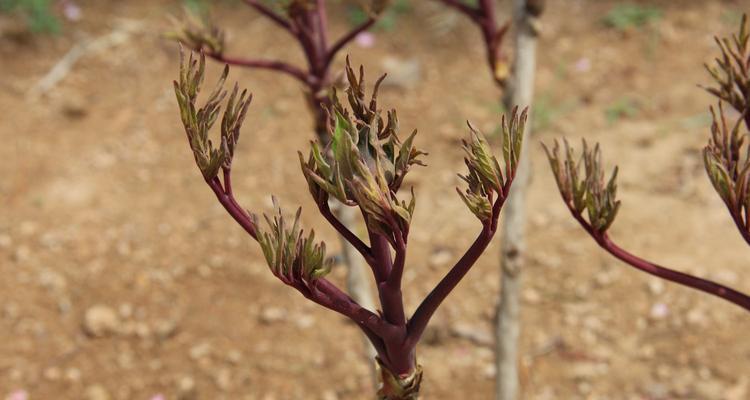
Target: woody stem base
398, 387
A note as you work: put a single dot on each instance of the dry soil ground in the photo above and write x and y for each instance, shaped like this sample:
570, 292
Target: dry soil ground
104, 214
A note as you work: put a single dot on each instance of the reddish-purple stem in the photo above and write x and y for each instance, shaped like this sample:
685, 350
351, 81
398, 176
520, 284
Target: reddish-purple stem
741, 225
350, 237
345, 305
430, 304
681, 278
348, 37
272, 15
322, 23
279, 66
230, 204
485, 17
459, 5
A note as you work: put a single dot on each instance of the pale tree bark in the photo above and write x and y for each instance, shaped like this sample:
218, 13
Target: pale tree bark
358, 282
520, 92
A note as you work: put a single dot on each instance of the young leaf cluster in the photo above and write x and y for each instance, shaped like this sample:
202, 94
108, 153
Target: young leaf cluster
727, 162
198, 33
585, 190
292, 257
365, 162
731, 71
363, 165
485, 178
199, 121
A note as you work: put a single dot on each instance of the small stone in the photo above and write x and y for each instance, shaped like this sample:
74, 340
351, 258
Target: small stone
155, 365
657, 391
52, 374
604, 279
73, 374
165, 329
659, 311
186, 388
473, 334
709, 389
142, 330
489, 370
539, 220
271, 315
100, 321
588, 370
125, 310
404, 74
547, 260
96, 392
584, 387
11, 311
5, 241
329, 395
28, 228
52, 280
204, 271
21, 254
531, 296
234, 356
739, 391
74, 107
440, 258
655, 286
15, 374
125, 360
663, 372
199, 351
64, 305
223, 379
304, 321
697, 317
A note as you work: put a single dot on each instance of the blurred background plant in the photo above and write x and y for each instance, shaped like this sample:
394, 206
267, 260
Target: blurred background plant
38, 14
628, 16
387, 22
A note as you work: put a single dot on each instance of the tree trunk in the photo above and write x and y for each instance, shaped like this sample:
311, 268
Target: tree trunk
520, 92
357, 282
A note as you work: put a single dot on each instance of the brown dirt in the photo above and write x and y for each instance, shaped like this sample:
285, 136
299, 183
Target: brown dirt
102, 205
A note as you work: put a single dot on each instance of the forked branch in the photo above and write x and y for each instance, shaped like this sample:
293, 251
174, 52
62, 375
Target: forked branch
363, 166
488, 187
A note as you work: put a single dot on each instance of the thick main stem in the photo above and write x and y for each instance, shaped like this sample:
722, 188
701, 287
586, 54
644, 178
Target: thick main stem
357, 281
508, 311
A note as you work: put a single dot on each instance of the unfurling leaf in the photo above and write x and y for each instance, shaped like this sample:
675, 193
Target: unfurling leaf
727, 162
589, 193
486, 179
292, 256
198, 33
731, 71
199, 121
365, 163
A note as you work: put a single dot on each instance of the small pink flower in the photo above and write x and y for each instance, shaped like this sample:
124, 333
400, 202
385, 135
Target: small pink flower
659, 311
72, 11
583, 65
18, 395
365, 40
158, 397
